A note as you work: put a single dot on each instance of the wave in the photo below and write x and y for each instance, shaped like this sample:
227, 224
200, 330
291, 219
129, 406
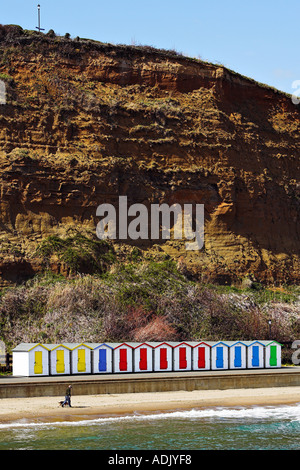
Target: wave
283, 412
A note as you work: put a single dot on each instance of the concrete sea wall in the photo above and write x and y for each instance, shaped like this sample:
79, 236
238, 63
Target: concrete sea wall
14, 387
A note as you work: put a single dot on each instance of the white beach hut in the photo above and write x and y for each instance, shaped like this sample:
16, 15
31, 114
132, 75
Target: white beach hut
182, 356
80, 358
60, 359
30, 359
162, 356
272, 354
122, 357
237, 354
219, 356
142, 357
102, 358
201, 355
255, 354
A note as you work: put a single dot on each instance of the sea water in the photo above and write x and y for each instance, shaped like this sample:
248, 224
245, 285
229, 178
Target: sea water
239, 428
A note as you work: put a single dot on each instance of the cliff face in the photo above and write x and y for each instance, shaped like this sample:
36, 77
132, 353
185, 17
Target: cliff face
85, 122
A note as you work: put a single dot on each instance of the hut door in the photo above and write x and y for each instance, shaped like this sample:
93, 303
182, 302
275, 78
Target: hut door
238, 356
163, 358
219, 362
60, 361
201, 357
38, 362
123, 359
143, 359
182, 358
102, 360
255, 356
81, 360
273, 356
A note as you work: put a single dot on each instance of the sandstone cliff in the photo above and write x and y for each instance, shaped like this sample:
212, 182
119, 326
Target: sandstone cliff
85, 122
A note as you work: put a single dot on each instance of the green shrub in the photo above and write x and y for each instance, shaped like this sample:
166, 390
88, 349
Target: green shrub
78, 253
138, 301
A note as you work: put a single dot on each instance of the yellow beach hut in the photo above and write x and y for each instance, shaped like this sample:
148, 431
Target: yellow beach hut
81, 358
60, 359
30, 359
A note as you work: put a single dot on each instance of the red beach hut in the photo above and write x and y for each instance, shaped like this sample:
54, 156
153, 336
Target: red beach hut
182, 356
163, 354
142, 357
201, 355
122, 357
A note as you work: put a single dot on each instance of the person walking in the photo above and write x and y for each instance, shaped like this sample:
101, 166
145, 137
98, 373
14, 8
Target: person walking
67, 400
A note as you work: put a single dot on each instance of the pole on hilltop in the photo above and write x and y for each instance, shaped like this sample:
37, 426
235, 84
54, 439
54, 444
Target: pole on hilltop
39, 19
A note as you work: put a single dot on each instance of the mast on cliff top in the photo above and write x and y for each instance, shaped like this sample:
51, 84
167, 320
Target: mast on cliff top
39, 19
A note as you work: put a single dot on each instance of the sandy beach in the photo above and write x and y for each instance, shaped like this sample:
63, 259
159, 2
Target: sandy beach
91, 406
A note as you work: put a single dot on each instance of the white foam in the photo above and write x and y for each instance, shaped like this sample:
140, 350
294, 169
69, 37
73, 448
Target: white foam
287, 412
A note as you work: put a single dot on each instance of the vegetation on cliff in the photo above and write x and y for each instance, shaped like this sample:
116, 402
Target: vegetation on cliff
144, 300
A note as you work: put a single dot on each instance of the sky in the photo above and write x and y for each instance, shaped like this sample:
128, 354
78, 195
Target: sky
258, 38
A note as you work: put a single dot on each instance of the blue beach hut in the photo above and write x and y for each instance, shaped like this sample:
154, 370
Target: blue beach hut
255, 354
102, 358
219, 356
237, 354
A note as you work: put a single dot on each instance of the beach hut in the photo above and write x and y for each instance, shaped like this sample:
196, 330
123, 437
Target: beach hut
219, 356
201, 355
237, 354
272, 354
30, 359
80, 358
182, 356
162, 356
142, 357
255, 354
102, 358
122, 357
60, 359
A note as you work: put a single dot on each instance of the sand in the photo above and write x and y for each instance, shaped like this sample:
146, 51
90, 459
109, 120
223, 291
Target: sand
47, 409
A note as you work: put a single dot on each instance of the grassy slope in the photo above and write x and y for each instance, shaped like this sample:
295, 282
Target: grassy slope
142, 299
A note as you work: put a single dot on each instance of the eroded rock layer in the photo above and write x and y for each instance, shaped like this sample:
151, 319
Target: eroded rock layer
86, 122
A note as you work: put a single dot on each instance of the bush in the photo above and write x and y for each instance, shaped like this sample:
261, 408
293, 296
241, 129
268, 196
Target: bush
51, 33
146, 301
78, 253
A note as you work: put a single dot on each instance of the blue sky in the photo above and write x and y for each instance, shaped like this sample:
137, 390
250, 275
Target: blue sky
258, 38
